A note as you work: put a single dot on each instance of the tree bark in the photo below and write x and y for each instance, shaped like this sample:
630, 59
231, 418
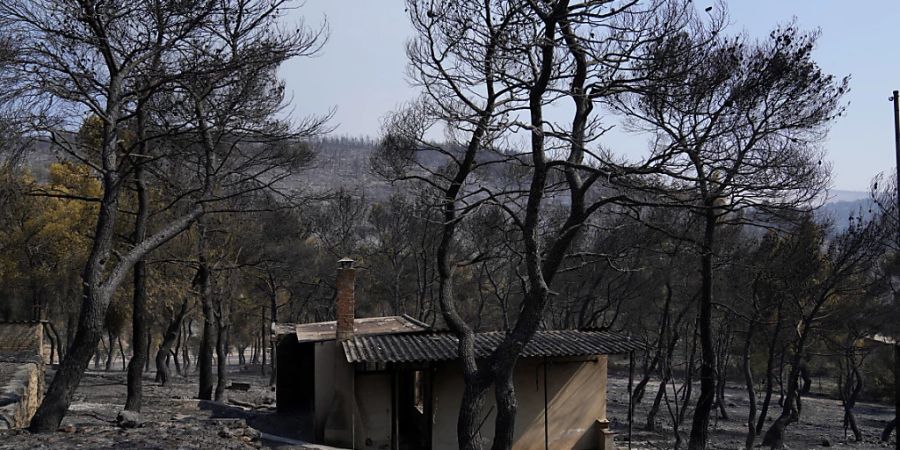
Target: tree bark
723, 355
468, 422
57, 341
53, 342
188, 333
657, 401
176, 351
221, 351
263, 342
274, 319
121, 352
169, 338
109, 351
700, 425
505, 396
751, 392
139, 340
770, 372
774, 437
205, 355
90, 329
638, 393
850, 390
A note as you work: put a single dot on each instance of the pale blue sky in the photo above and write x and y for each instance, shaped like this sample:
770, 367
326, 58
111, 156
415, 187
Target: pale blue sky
362, 70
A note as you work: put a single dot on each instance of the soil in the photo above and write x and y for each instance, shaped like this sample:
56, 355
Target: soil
173, 419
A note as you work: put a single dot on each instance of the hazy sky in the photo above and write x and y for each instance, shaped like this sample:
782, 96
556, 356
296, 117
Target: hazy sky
362, 70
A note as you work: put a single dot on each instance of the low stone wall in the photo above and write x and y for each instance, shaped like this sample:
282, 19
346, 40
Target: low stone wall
21, 373
21, 392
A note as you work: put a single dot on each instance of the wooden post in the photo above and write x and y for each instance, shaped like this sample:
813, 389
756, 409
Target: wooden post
896, 99
395, 409
546, 411
630, 396
262, 338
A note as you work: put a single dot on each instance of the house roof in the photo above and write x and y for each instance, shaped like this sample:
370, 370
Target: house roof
370, 326
442, 346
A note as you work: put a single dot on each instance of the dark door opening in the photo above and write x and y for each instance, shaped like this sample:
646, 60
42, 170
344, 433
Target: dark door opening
412, 408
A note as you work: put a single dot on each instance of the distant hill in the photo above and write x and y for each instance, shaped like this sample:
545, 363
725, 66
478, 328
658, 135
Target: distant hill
838, 195
841, 205
344, 162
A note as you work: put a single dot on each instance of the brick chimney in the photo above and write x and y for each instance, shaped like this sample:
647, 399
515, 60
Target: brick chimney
345, 302
341, 421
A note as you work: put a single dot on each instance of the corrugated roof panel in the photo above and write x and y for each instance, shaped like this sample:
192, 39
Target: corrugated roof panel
442, 346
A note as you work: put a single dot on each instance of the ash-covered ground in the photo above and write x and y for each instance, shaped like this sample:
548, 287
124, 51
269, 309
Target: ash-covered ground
173, 419
820, 425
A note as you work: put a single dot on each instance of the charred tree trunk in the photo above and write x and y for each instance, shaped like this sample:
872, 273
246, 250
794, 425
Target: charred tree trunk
688, 382
109, 350
205, 354
751, 392
657, 402
639, 389
770, 372
700, 425
221, 351
468, 423
188, 333
165, 347
850, 388
274, 319
263, 342
95, 301
147, 351
121, 352
53, 341
505, 395
176, 351
57, 340
723, 355
139, 340
774, 437
666, 365
68, 376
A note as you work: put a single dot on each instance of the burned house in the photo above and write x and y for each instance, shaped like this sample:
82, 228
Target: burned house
392, 382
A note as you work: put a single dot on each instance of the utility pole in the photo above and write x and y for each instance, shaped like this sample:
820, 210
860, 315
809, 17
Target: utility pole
896, 99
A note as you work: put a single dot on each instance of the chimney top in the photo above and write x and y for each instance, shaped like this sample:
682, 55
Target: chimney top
345, 303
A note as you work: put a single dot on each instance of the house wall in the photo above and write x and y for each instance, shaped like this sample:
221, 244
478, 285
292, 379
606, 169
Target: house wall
324, 376
576, 396
373, 399
371, 415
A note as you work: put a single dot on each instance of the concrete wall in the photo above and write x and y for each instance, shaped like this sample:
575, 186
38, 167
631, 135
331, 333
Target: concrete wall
576, 396
371, 419
373, 399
